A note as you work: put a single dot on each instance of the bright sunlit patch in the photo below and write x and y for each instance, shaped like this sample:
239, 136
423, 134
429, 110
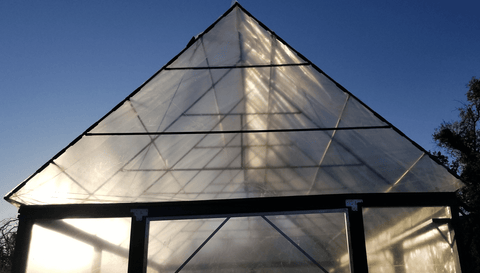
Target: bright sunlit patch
115, 230
53, 252
67, 245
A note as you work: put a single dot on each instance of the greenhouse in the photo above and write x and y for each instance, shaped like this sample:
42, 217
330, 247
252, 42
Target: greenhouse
239, 155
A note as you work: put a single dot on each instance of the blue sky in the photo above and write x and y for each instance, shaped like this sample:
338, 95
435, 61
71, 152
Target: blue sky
64, 64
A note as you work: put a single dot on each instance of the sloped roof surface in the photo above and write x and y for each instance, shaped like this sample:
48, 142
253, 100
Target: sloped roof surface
237, 114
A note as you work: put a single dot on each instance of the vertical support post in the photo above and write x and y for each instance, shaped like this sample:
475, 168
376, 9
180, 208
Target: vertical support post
137, 256
358, 249
459, 238
22, 244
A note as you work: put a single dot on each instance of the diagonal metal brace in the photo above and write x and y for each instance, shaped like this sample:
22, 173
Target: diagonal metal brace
202, 245
295, 244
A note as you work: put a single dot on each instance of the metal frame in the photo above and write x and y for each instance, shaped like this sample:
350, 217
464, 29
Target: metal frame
202, 245
236, 66
166, 67
141, 213
22, 244
261, 215
295, 245
462, 259
238, 132
356, 235
352, 203
245, 206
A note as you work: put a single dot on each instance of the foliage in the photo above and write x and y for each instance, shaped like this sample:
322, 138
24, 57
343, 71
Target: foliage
461, 142
8, 233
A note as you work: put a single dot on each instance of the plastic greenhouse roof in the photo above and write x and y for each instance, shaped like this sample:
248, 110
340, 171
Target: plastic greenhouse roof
237, 114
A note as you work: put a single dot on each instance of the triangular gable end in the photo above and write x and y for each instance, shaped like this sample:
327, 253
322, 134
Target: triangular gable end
237, 114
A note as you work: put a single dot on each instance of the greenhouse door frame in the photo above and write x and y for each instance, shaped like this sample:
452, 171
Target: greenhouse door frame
141, 212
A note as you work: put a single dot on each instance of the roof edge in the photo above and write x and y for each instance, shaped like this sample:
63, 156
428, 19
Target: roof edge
235, 5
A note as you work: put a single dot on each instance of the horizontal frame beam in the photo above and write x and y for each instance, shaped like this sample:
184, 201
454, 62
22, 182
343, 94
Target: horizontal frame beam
243, 114
239, 207
236, 66
239, 131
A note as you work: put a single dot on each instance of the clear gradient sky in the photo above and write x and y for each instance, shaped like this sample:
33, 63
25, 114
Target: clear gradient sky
65, 64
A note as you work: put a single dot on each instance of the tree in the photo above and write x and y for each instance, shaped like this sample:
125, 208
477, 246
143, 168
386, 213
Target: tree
461, 142
8, 234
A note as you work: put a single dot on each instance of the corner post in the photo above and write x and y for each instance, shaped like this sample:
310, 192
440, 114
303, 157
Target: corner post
22, 244
137, 257
459, 238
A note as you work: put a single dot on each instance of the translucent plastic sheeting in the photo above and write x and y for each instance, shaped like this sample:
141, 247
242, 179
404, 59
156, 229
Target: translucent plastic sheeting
286, 243
235, 77
293, 97
410, 240
237, 39
79, 245
222, 166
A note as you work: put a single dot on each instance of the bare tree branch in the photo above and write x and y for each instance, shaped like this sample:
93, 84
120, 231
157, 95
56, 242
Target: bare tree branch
8, 234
